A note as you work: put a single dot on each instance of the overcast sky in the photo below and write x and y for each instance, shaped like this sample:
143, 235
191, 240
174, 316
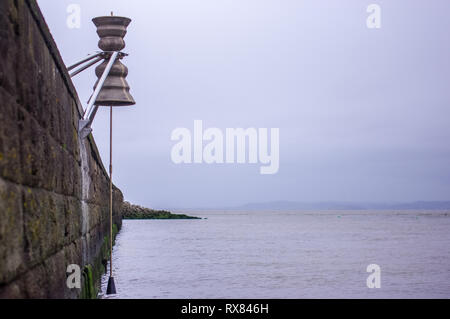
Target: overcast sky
363, 113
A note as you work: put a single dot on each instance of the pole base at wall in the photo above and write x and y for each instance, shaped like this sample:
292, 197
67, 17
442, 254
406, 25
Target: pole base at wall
111, 290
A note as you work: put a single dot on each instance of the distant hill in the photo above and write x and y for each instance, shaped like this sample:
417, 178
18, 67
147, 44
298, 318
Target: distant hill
286, 205
330, 205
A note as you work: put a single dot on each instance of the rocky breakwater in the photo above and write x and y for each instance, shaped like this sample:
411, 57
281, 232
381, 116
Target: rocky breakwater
130, 211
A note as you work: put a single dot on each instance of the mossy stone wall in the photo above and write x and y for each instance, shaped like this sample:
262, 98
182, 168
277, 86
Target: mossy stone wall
41, 204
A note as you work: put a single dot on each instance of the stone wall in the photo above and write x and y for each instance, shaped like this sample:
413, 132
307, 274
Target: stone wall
54, 189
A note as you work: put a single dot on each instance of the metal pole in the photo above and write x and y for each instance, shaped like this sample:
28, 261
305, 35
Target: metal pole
110, 188
100, 85
85, 67
89, 114
90, 57
111, 289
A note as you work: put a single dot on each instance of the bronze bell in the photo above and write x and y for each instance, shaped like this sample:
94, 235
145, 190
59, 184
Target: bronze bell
115, 90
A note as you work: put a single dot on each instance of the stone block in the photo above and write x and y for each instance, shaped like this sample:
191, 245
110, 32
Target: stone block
11, 231
44, 224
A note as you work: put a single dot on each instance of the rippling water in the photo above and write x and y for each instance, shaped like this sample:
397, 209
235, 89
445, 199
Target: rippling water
285, 255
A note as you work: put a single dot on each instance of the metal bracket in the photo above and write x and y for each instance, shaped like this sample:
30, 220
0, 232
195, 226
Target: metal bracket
84, 125
87, 59
84, 129
96, 58
87, 66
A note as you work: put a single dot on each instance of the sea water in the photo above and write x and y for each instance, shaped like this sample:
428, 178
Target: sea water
285, 255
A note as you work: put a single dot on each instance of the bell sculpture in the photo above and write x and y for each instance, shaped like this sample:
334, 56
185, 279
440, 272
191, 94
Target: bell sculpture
111, 89
115, 90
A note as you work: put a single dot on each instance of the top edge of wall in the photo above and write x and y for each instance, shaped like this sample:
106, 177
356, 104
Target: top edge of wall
54, 51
